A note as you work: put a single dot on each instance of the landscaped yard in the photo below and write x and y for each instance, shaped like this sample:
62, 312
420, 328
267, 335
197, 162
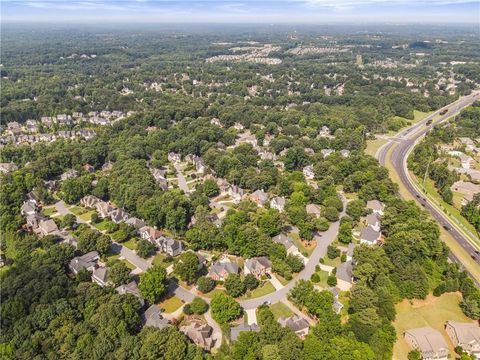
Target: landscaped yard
87, 216
171, 304
262, 290
323, 278
433, 311
300, 245
279, 310
49, 211
102, 225
130, 244
332, 262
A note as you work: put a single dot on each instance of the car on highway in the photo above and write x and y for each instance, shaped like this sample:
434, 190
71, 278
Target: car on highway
268, 303
428, 122
443, 112
446, 227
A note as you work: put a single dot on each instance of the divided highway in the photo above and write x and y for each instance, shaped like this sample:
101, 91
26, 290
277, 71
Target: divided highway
406, 141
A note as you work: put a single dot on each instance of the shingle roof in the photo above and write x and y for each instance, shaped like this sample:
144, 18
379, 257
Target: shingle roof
370, 235
235, 331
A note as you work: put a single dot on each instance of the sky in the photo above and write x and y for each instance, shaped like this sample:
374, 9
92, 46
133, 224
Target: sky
243, 11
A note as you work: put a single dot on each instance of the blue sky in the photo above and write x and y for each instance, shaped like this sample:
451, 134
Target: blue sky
238, 11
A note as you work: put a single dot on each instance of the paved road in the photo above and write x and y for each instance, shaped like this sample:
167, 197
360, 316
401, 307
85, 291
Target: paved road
399, 157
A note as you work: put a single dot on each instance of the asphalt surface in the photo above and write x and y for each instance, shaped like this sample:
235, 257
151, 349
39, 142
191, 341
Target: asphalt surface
406, 141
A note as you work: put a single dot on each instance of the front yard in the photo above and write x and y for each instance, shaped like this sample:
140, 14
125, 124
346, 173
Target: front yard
264, 289
172, 304
280, 310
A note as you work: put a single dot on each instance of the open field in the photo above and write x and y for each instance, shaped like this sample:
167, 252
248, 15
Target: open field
433, 311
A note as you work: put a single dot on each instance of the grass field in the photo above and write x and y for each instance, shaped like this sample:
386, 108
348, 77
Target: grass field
130, 244
102, 225
78, 210
171, 304
373, 146
129, 264
264, 289
159, 259
432, 311
279, 310
87, 216
49, 211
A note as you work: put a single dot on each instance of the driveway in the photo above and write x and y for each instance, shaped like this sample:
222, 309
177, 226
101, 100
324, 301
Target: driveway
251, 316
182, 182
275, 282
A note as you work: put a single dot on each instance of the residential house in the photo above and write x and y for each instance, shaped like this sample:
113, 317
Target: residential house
287, 242
103, 209
89, 201
200, 334
373, 221
308, 172
29, 207
131, 288
223, 185
299, 325
220, 270
236, 193
345, 276
259, 197
69, 174
324, 131
87, 261
150, 234
376, 206
174, 157
429, 342
465, 335
88, 168
108, 166
216, 121
46, 227
350, 249
345, 153
235, 331
313, 209
118, 215
467, 189
278, 202
100, 276
258, 266
337, 305
199, 165
369, 236
466, 161
169, 246
153, 317
326, 152
8, 167
136, 223
32, 126
33, 221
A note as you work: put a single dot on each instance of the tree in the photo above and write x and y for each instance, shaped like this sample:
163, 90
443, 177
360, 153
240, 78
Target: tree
95, 219
331, 214
294, 262
332, 252
69, 221
145, 248
153, 283
103, 244
270, 223
205, 284
234, 285
224, 308
210, 188
198, 306
356, 209
250, 282
414, 355
345, 232
186, 268
119, 273
332, 280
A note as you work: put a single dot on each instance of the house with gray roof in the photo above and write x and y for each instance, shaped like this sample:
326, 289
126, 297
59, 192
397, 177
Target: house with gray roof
236, 193
345, 276
169, 246
373, 220
259, 197
100, 276
287, 242
87, 261
369, 236
219, 271
376, 206
131, 288
298, 324
153, 317
200, 334
89, 201
278, 203
428, 341
29, 208
235, 331
258, 266
118, 215
46, 227
135, 222
69, 174
465, 335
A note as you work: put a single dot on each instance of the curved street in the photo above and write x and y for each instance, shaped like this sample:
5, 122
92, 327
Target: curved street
406, 140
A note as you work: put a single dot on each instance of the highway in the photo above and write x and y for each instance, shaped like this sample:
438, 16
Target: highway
406, 141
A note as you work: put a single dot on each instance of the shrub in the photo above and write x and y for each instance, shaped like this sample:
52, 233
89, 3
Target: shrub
205, 284
332, 280
315, 278
198, 306
250, 282
332, 252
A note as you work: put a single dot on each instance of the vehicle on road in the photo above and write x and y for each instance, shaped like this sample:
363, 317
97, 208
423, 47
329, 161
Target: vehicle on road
268, 303
446, 227
268, 276
428, 122
443, 112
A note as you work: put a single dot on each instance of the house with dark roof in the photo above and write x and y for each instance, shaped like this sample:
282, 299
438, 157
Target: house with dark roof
29, 207
153, 317
278, 203
100, 276
200, 334
298, 324
135, 222
258, 266
89, 201
118, 215
87, 261
235, 331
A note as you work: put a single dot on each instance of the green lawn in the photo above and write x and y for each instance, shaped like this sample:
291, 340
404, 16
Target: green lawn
129, 264
87, 216
323, 278
279, 310
264, 289
332, 262
299, 244
130, 244
433, 312
171, 304
102, 225
49, 211
213, 292
282, 280
78, 210
373, 146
